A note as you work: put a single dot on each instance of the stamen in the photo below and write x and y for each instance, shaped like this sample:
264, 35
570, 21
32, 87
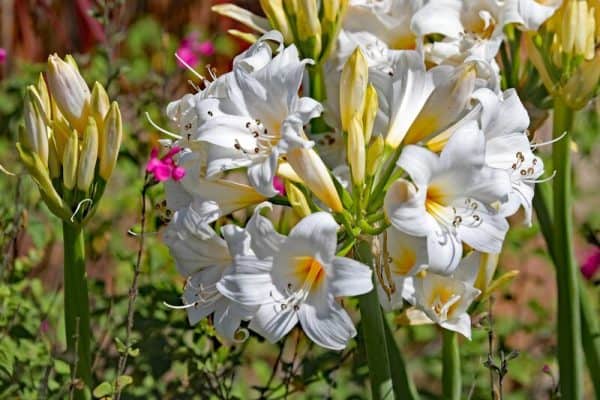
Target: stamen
536, 145
541, 180
166, 132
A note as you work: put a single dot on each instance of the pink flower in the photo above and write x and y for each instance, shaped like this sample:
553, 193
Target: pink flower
164, 168
2, 55
206, 48
591, 265
187, 55
279, 185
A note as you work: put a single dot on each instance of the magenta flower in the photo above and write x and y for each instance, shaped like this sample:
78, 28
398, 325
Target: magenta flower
186, 55
591, 265
164, 168
2, 55
279, 185
206, 48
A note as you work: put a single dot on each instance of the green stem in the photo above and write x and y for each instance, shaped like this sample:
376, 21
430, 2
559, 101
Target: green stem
318, 92
451, 379
77, 316
590, 330
569, 323
388, 375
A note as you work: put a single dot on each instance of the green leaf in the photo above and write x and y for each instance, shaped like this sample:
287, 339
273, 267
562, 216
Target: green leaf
134, 352
124, 380
102, 390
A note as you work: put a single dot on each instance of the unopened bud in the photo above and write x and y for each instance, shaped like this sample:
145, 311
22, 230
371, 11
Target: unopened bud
88, 157
312, 170
36, 130
442, 107
331, 10
353, 86
42, 90
583, 83
273, 9
99, 104
370, 112
578, 29
111, 141
375, 155
53, 159
356, 152
70, 159
69, 90
297, 200
308, 28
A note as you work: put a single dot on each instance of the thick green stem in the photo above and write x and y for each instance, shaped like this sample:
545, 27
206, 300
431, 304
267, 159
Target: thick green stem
77, 315
451, 379
569, 323
387, 372
590, 330
318, 92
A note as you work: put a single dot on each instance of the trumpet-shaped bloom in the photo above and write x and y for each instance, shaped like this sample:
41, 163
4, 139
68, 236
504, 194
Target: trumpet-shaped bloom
244, 128
450, 199
203, 262
297, 281
445, 299
507, 147
406, 255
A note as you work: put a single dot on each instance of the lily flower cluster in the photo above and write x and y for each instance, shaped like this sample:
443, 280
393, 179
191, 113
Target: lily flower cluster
423, 158
70, 140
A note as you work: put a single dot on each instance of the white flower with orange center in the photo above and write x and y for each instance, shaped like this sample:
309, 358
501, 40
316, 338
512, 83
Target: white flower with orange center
243, 127
451, 198
297, 280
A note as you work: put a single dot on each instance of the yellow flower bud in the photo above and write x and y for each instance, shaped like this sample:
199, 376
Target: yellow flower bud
69, 91
42, 90
297, 199
356, 152
583, 83
88, 156
308, 28
578, 29
374, 155
312, 170
70, 159
370, 112
36, 131
273, 9
99, 104
111, 141
53, 159
353, 85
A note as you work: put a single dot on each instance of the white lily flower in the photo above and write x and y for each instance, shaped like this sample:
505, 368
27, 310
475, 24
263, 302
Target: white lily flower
244, 128
530, 14
406, 256
504, 121
445, 299
204, 261
298, 280
450, 199
388, 20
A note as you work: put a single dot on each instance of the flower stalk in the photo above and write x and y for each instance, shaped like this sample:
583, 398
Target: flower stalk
569, 321
77, 315
451, 379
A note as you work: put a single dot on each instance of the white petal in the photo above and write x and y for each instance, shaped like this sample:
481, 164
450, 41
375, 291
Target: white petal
273, 323
486, 236
419, 163
466, 147
315, 234
238, 240
439, 17
248, 281
460, 324
501, 116
331, 328
444, 251
349, 277
177, 197
226, 319
405, 208
265, 240
261, 175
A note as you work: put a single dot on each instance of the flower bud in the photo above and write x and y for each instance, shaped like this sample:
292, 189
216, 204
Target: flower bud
42, 90
69, 90
111, 141
88, 156
356, 152
53, 159
578, 29
353, 85
308, 28
442, 107
487, 268
273, 9
374, 155
99, 105
370, 113
297, 200
70, 159
312, 170
331, 10
583, 83
36, 132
